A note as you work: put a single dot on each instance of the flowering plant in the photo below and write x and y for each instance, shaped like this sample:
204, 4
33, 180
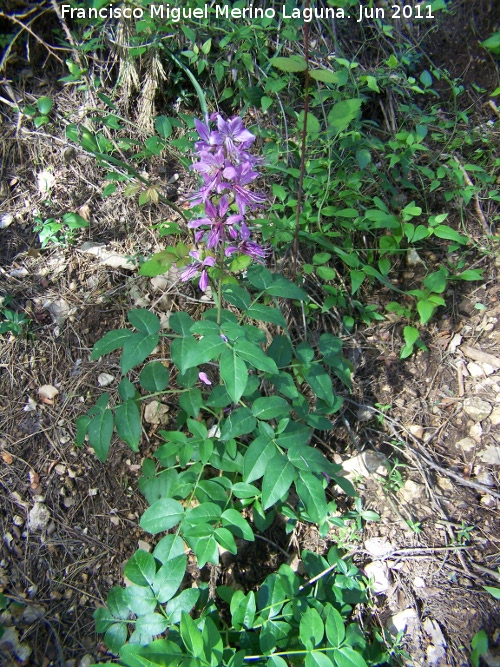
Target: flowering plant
239, 444
227, 170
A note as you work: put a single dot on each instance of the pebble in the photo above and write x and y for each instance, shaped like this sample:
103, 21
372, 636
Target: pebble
411, 491
400, 621
378, 547
476, 408
476, 431
490, 454
495, 416
38, 517
366, 464
416, 430
475, 370
378, 572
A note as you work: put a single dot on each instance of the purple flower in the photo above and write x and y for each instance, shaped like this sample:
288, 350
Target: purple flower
204, 378
217, 222
232, 132
198, 267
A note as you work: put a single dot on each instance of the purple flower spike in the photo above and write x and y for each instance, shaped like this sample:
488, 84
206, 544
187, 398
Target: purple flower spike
198, 267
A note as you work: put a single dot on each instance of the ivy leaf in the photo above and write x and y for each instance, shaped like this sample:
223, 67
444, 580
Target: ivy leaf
144, 320
191, 636
168, 578
318, 659
237, 525
311, 492
335, 628
254, 355
100, 431
154, 377
257, 457
270, 407
348, 657
239, 422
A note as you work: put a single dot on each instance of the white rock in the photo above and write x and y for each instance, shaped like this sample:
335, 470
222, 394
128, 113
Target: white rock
378, 547
436, 650
156, 413
6, 219
467, 444
47, 393
488, 501
476, 431
108, 258
416, 430
475, 370
365, 413
59, 310
366, 464
489, 370
378, 573
495, 416
418, 582
400, 621
454, 343
105, 379
490, 454
39, 517
411, 491
476, 408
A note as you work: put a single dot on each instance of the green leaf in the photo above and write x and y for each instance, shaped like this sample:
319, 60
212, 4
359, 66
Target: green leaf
75, 221
44, 105
168, 548
410, 335
137, 347
254, 355
266, 314
348, 657
128, 423
154, 377
280, 351
335, 628
449, 234
239, 422
425, 310
278, 478
243, 608
110, 342
116, 636
309, 459
357, 278
311, 629
191, 636
326, 75
236, 295
284, 288
169, 578
164, 514
208, 348
291, 64
205, 513
82, 425
183, 602
117, 603
342, 113
141, 568
320, 382
437, 281
191, 402
237, 525
318, 659
144, 320
182, 351
234, 373
270, 407
163, 126
181, 323
311, 492
257, 457
100, 431
126, 389
205, 548
226, 540
151, 624
140, 599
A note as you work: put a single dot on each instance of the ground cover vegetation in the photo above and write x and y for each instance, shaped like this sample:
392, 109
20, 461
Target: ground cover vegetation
333, 178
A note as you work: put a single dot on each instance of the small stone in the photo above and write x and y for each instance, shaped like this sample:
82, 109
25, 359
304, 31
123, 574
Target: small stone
490, 454
475, 370
365, 413
418, 582
366, 464
38, 517
145, 546
411, 491
18, 520
156, 413
60, 469
476, 408
488, 501
378, 572
444, 483
485, 478
476, 432
401, 621
488, 369
495, 416
378, 547
105, 379
86, 661
416, 430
